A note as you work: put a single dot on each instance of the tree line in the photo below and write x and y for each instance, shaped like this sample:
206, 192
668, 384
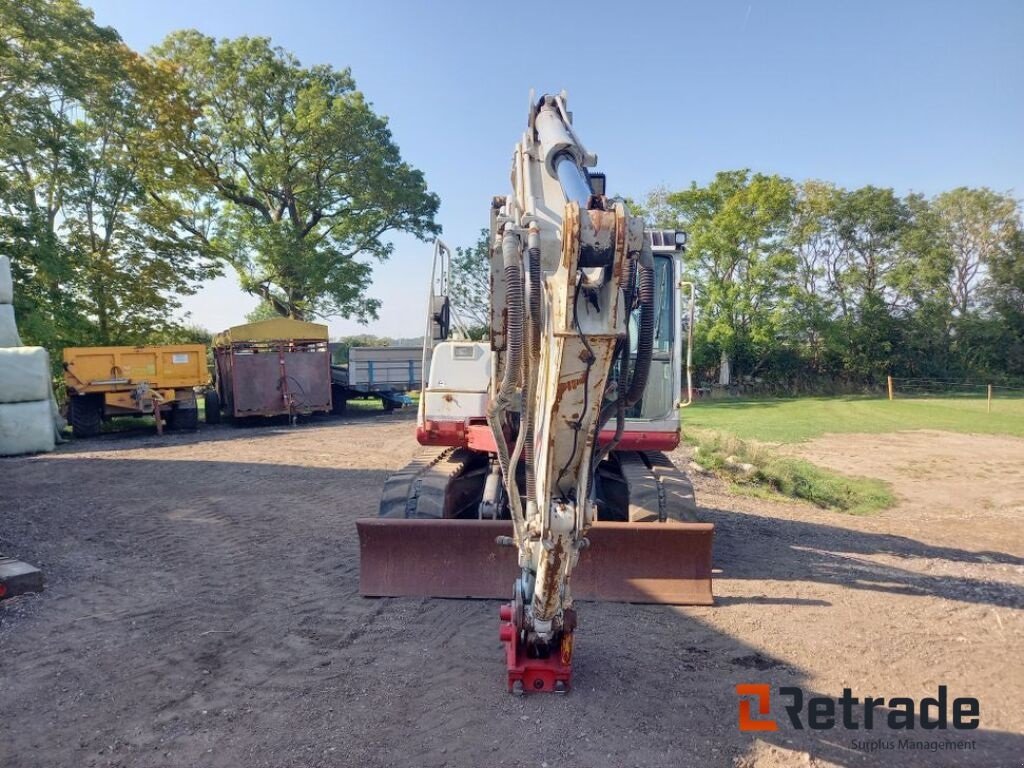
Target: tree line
809, 287
128, 179
806, 286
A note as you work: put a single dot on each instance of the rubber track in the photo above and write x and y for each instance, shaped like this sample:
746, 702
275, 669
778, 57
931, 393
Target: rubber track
418, 489
658, 490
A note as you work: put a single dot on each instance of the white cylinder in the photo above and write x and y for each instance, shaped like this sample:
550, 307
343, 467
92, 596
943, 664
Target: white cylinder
555, 138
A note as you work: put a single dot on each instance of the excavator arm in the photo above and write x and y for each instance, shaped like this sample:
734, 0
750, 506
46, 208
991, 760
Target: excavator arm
565, 327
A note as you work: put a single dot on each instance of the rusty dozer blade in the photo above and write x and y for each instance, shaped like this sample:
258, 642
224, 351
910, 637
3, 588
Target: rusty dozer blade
666, 563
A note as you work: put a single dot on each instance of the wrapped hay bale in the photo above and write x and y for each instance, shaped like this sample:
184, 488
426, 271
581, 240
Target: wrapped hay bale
8, 329
26, 428
24, 374
6, 284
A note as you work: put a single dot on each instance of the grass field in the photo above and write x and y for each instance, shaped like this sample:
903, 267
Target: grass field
739, 429
796, 419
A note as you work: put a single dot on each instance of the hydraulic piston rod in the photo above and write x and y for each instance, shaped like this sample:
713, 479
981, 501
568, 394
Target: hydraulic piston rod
573, 179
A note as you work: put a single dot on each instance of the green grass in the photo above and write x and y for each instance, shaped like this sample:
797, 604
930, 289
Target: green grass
796, 419
775, 475
364, 405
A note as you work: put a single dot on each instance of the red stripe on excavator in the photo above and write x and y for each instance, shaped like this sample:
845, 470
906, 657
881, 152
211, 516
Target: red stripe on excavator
479, 437
642, 441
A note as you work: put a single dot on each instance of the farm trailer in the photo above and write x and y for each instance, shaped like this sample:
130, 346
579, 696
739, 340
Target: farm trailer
387, 373
106, 382
277, 367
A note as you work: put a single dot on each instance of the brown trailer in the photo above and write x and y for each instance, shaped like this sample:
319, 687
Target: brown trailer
278, 367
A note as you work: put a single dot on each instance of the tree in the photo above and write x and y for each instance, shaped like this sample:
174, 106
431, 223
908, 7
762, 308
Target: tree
980, 227
1005, 296
739, 256
262, 311
815, 246
74, 136
340, 348
296, 180
470, 285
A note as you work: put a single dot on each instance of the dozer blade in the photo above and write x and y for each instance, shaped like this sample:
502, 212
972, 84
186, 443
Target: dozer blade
666, 563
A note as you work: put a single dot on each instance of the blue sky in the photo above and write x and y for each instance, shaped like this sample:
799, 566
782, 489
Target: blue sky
919, 96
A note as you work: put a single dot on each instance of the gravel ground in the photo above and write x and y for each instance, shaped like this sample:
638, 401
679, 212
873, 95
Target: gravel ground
202, 610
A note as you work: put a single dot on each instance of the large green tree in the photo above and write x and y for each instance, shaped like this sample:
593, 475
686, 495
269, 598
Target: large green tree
296, 181
741, 261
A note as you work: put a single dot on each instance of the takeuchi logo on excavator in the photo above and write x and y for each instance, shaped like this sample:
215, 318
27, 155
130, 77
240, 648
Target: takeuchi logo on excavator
852, 713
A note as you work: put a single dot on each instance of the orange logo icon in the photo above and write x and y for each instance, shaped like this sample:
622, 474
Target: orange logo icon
762, 692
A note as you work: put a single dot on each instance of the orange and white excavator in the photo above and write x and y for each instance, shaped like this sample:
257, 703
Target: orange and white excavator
543, 477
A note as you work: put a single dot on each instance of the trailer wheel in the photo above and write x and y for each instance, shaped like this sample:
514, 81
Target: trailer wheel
211, 401
339, 402
388, 404
186, 419
85, 412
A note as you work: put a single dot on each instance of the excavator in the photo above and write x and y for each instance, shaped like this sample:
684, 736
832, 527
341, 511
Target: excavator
543, 476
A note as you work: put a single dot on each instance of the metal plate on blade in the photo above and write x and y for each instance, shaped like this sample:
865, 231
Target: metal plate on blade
666, 563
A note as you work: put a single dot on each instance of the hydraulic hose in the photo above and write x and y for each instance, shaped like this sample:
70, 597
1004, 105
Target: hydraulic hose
622, 357
533, 355
514, 324
645, 332
512, 374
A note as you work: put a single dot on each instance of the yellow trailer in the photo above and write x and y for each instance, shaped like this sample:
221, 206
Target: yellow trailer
103, 382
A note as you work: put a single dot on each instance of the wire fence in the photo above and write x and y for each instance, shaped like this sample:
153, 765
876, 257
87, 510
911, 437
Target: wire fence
899, 388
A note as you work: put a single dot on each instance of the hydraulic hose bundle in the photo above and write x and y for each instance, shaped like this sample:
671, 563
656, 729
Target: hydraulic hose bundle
639, 293
533, 255
513, 373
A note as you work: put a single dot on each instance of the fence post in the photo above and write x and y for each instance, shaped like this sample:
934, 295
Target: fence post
889, 379
990, 398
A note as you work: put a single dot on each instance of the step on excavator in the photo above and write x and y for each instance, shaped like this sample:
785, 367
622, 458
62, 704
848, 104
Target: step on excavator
543, 476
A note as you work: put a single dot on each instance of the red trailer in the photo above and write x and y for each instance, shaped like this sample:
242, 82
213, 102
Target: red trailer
271, 368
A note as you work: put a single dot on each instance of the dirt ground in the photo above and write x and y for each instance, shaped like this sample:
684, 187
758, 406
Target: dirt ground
202, 610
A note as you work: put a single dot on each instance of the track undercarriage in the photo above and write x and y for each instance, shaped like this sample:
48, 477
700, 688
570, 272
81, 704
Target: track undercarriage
632, 486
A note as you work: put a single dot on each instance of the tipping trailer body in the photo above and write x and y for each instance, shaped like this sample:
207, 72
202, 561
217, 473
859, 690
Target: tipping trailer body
388, 373
104, 382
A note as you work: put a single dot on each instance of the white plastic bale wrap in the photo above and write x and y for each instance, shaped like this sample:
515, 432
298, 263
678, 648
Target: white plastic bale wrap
26, 428
8, 329
24, 374
6, 284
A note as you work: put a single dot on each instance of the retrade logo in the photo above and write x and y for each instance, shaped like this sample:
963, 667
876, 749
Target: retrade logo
852, 713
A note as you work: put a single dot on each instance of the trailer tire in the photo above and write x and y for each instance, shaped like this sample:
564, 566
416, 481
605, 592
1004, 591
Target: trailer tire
339, 403
85, 412
211, 401
183, 419
388, 405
